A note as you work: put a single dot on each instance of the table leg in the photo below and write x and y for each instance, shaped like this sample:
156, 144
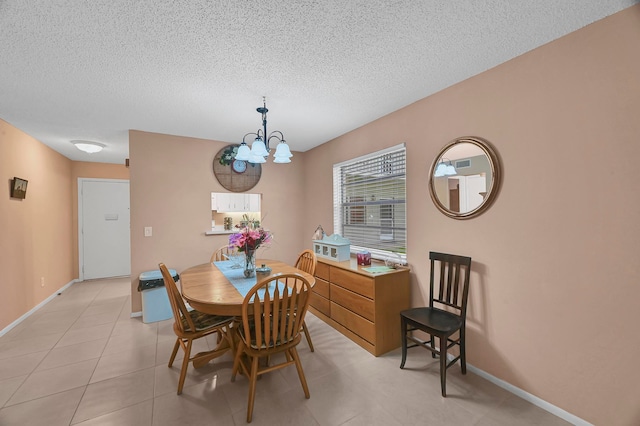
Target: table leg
228, 342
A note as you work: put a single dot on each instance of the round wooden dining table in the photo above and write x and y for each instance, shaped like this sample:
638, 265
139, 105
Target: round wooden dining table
207, 289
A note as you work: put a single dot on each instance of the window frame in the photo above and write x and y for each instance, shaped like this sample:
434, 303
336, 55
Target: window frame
343, 209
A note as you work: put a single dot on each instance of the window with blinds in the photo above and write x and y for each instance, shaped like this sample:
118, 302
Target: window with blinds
369, 202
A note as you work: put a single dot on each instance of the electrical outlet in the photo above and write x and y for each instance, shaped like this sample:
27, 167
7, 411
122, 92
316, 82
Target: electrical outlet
41, 281
148, 231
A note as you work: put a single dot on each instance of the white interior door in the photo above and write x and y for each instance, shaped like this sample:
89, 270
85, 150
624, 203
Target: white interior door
470, 190
104, 228
476, 185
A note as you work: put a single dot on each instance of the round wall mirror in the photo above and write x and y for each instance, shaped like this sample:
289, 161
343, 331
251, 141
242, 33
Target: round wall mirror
465, 177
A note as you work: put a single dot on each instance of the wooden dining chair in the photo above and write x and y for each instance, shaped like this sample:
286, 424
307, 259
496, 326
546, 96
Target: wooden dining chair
307, 262
223, 251
191, 325
272, 315
445, 315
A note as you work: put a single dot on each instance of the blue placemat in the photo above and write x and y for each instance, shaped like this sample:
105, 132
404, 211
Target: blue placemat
242, 283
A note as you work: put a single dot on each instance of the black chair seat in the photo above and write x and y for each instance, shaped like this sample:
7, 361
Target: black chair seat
433, 318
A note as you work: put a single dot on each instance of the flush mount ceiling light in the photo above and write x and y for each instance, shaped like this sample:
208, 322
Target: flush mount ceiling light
88, 146
260, 148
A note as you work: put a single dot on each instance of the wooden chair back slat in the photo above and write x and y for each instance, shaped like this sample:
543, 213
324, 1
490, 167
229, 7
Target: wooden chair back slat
290, 300
456, 290
453, 280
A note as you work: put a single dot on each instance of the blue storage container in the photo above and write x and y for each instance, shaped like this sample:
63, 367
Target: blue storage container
155, 301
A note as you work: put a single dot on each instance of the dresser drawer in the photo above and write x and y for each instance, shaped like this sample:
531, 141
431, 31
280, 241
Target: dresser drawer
321, 287
352, 281
353, 302
322, 304
322, 271
357, 324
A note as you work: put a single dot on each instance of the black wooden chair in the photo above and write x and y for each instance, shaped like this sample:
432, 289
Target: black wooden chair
445, 315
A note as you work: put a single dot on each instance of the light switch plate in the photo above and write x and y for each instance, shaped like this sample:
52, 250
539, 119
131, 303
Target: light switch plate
148, 231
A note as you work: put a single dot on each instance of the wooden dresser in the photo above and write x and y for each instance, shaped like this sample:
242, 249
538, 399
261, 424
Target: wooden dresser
364, 307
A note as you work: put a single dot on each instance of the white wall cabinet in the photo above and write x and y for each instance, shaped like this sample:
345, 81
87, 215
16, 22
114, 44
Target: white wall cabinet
253, 202
233, 202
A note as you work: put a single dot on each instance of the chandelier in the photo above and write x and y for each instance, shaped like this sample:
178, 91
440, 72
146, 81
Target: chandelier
259, 150
444, 169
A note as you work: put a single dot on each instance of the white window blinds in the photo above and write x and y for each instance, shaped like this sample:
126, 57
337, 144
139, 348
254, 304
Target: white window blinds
369, 202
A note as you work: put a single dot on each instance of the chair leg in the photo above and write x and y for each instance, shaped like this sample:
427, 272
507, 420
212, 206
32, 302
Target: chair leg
175, 352
443, 365
303, 380
403, 333
237, 360
463, 353
185, 365
433, 346
305, 330
226, 334
252, 387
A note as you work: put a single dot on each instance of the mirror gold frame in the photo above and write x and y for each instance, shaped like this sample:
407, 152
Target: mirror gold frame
452, 195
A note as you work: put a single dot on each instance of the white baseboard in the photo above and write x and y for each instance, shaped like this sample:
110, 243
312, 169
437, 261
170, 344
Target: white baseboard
136, 314
557, 411
35, 308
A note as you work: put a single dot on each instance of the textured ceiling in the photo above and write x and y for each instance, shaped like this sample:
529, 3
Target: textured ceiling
92, 70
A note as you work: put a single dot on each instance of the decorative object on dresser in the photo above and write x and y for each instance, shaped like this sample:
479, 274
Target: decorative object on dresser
333, 247
363, 306
319, 233
450, 273
364, 258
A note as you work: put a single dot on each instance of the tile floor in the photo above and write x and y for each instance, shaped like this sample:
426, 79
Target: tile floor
81, 360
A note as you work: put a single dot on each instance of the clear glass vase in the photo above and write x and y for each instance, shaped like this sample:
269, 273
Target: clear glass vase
249, 263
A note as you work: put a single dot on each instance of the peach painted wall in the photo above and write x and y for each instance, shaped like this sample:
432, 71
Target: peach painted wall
85, 169
36, 232
554, 296
171, 184
555, 289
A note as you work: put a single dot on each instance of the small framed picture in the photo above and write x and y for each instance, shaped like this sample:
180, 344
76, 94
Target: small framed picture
19, 188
